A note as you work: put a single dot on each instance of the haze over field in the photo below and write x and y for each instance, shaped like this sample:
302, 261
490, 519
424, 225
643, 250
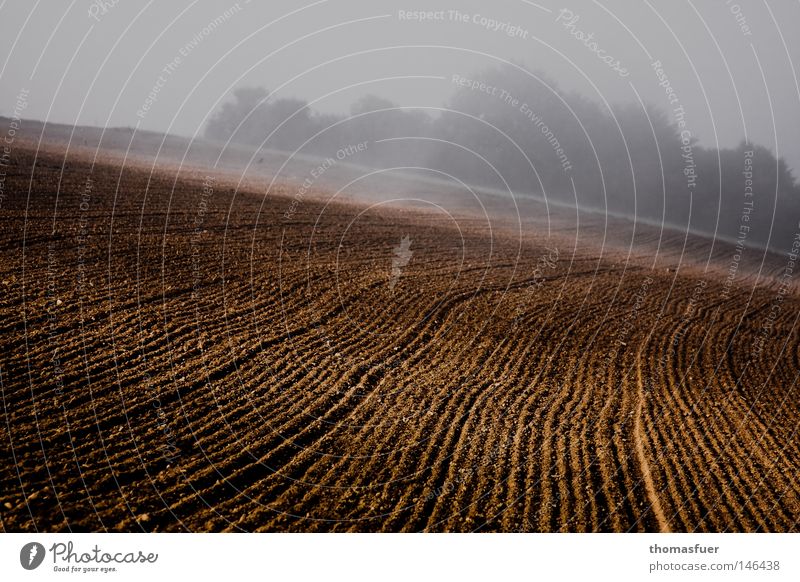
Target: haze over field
593, 78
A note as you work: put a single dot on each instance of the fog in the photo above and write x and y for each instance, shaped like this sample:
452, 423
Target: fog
675, 111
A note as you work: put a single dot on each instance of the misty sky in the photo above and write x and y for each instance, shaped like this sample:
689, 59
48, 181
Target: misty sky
729, 63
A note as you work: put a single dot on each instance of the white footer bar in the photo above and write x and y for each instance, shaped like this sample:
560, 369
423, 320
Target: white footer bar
379, 557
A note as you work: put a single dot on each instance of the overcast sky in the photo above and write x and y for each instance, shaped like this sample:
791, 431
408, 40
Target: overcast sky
729, 63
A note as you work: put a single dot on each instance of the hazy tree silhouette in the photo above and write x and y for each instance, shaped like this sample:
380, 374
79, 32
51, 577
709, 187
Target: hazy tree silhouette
523, 132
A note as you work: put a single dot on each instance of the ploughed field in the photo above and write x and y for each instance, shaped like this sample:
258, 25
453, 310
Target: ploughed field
179, 355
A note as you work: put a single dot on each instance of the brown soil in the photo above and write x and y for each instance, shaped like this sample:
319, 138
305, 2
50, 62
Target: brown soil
207, 362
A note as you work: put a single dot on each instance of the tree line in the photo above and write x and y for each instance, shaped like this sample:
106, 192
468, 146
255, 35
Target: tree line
511, 130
